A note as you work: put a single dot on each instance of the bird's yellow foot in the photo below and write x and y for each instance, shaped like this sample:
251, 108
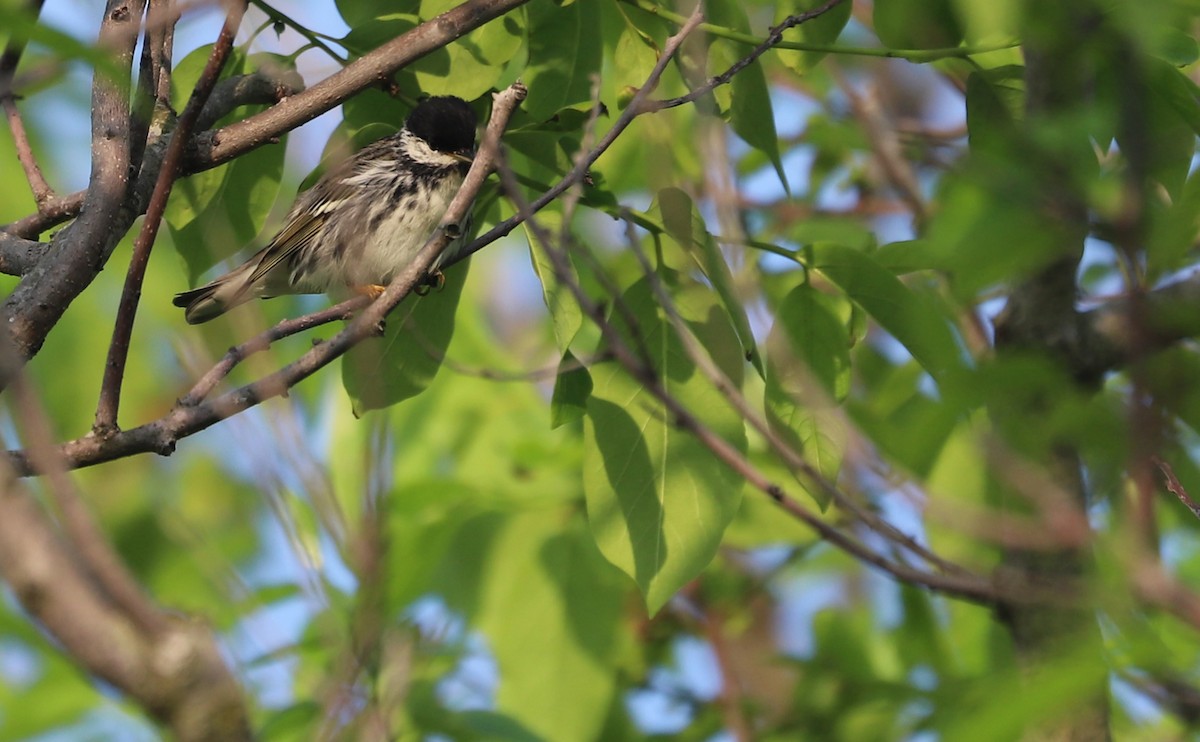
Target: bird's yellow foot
371, 291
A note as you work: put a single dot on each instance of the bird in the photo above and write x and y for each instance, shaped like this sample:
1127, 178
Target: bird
363, 222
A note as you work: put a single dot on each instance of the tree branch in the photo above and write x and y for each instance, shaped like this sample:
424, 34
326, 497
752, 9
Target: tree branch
18, 255
118, 349
85, 598
81, 249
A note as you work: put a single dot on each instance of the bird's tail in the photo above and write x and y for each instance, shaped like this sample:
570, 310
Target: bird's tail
218, 297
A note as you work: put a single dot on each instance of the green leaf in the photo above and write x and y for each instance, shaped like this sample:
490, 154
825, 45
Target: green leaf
659, 500
750, 112
362, 13
564, 52
565, 313
424, 517
572, 387
471, 65
958, 482
824, 29
910, 317
848, 232
808, 372
995, 103
687, 228
535, 586
634, 54
917, 24
379, 372
1178, 90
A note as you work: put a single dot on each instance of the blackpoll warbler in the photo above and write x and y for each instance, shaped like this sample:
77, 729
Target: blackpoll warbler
363, 221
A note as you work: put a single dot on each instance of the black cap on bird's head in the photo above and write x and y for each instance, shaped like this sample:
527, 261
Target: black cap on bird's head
445, 123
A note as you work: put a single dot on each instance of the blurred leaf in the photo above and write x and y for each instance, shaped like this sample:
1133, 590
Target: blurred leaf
658, 500
60, 696
844, 231
381, 371
995, 104
423, 518
958, 493
292, 724
908, 426
362, 13
917, 24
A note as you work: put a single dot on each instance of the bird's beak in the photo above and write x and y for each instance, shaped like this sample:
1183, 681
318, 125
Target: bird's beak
466, 156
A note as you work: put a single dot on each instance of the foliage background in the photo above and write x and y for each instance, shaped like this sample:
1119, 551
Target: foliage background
529, 546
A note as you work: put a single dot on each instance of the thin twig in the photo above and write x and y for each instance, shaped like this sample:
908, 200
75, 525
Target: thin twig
42, 192
918, 56
288, 327
118, 350
773, 38
315, 39
154, 74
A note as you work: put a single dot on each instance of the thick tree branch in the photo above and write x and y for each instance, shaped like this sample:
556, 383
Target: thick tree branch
81, 249
92, 606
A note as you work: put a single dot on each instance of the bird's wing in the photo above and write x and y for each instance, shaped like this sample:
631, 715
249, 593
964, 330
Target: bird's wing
297, 234
313, 208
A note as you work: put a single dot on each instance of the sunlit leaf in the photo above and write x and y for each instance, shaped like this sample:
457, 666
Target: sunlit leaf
658, 500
